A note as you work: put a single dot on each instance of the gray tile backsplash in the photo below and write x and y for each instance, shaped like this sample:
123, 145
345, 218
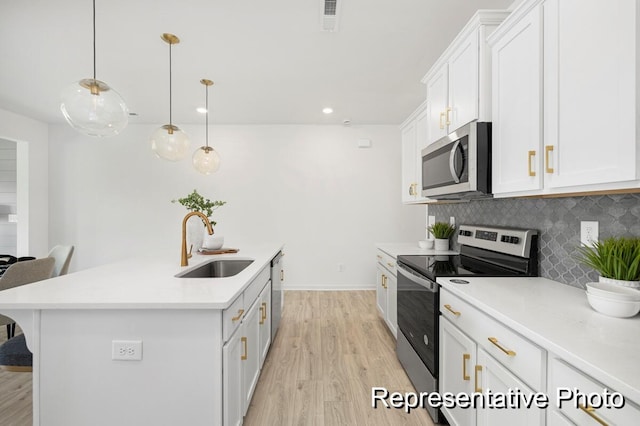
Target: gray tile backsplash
557, 220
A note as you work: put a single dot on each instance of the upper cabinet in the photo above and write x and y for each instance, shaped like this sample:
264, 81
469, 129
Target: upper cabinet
565, 98
459, 83
414, 138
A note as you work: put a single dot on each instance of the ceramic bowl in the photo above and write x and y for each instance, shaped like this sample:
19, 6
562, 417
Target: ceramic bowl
613, 291
613, 307
212, 242
425, 244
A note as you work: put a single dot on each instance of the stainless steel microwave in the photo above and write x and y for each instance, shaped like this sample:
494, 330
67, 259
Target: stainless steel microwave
458, 166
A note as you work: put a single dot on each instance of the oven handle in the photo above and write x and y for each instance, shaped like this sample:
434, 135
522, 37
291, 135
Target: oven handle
418, 279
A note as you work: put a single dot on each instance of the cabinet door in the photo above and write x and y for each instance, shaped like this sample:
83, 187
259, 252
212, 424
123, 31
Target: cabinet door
265, 322
457, 361
392, 305
590, 91
381, 290
409, 184
251, 352
497, 378
232, 353
437, 89
463, 83
516, 103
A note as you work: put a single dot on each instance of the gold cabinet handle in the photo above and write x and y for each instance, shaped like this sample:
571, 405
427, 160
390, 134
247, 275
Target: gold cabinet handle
442, 114
448, 119
411, 190
448, 308
531, 155
475, 378
547, 150
591, 412
385, 281
378, 256
391, 265
244, 356
506, 351
237, 317
465, 358
264, 312
261, 315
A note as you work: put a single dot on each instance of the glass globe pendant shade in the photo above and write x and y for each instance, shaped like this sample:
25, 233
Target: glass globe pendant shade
91, 107
170, 143
206, 160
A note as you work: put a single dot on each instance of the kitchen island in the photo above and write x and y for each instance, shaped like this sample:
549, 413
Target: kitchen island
71, 323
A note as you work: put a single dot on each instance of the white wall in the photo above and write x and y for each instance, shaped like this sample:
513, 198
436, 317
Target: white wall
31, 137
310, 187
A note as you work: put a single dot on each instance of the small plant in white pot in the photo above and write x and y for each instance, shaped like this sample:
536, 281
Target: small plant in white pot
616, 259
442, 231
195, 202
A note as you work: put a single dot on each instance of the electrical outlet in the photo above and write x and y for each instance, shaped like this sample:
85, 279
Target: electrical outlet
431, 220
126, 350
452, 220
588, 232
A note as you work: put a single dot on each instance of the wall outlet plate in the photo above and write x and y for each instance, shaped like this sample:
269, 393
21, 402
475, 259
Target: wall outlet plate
588, 232
126, 350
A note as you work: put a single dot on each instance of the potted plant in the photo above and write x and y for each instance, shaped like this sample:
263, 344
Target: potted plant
617, 259
195, 202
442, 231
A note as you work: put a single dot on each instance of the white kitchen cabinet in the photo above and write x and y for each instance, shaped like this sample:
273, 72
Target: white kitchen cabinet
477, 353
458, 84
232, 353
251, 354
414, 139
387, 290
565, 98
265, 322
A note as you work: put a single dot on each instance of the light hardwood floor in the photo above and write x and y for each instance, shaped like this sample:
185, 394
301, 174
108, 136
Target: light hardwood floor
331, 349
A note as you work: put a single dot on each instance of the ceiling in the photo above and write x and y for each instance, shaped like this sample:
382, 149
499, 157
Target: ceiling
270, 60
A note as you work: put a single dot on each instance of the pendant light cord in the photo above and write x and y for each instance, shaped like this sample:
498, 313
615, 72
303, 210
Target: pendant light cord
94, 39
207, 118
170, 88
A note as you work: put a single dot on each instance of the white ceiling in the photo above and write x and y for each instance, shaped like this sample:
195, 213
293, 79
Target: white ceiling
270, 61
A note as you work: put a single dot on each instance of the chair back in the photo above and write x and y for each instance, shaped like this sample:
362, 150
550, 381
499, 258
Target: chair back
62, 255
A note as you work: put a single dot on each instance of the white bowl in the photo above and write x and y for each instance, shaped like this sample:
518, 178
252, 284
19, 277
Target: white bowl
613, 291
613, 307
212, 242
425, 244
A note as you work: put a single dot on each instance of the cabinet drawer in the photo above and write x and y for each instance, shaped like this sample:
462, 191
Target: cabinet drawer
252, 291
518, 354
231, 317
568, 382
387, 261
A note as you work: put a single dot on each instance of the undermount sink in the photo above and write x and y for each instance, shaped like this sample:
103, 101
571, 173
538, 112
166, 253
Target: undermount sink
217, 269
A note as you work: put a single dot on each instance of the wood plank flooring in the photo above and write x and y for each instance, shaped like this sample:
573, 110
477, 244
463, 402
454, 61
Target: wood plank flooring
332, 347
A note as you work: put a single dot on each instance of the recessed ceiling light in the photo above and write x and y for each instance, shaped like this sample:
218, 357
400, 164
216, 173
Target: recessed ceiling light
201, 110
327, 110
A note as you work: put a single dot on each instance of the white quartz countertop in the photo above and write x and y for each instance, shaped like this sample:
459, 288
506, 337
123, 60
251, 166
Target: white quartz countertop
396, 249
558, 318
143, 283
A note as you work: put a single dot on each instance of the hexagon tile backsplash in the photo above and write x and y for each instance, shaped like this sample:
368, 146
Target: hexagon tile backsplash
557, 220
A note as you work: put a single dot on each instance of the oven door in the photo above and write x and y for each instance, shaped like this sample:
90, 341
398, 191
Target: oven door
418, 310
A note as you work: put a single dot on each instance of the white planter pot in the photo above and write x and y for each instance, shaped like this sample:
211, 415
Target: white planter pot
632, 284
212, 242
441, 244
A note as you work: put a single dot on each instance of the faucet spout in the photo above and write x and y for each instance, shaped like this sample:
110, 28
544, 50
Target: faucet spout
184, 260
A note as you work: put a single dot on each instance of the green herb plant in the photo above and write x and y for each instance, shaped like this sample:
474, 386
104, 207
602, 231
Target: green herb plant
616, 258
442, 230
195, 202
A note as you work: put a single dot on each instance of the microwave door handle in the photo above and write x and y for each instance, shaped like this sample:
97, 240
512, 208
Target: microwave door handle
452, 162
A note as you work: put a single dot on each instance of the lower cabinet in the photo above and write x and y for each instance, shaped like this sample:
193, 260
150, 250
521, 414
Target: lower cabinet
246, 348
387, 290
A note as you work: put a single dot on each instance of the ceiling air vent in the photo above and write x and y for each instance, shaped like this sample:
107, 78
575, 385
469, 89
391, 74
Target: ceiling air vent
330, 15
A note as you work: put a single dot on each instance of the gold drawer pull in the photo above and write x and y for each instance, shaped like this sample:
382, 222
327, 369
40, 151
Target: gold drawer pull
478, 369
506, 351
531, 155
378, 256
390, 264
448, 119
442, 114
465, 358
236, 318
547, 150
261, 315
264, 312
448, 308
244, 356
591, 412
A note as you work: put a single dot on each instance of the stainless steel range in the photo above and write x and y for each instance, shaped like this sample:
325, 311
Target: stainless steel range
484, 251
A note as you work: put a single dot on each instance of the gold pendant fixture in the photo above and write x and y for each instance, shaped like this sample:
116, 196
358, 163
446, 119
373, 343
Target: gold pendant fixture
168, 141
206, 160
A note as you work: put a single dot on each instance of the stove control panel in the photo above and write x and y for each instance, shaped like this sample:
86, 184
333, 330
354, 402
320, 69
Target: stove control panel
504, 240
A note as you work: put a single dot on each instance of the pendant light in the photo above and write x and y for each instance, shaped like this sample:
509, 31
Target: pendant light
206, 160
169, 142
91, 106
